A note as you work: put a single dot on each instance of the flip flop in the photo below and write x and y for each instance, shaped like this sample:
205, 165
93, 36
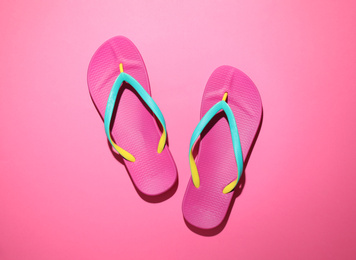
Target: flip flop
230, 116
119, 87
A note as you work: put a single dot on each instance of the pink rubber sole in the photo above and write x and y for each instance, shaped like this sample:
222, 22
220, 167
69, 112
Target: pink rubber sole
134, 128
206, 207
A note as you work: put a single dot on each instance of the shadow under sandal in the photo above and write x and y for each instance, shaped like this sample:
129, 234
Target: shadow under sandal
230, 116
120, 89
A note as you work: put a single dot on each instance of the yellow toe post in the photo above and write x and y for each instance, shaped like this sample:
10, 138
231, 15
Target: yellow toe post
121, 68
224, 97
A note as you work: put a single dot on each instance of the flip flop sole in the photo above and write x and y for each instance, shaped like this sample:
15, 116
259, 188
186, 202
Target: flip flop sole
134, 127
206, 207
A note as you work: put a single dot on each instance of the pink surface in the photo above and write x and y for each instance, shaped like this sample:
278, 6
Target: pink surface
133, 126
64, 196
206, 207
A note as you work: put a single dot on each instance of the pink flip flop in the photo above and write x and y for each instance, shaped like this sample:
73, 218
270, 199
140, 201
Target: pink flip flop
119, 87
230, 116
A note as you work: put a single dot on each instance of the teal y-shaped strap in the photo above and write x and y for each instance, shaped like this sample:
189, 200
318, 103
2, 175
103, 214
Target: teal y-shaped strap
146, 98
222, 105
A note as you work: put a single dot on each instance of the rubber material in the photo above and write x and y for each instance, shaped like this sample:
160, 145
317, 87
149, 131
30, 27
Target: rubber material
206, 207
221, 105
148, 101
134, 126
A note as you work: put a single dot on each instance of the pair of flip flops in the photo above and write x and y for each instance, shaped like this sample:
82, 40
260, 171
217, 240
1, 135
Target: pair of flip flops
230, 115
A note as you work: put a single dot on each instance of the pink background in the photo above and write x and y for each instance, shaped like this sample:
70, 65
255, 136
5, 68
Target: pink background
64, 196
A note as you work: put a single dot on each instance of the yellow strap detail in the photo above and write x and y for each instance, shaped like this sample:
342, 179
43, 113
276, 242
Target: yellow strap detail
230, 187
122, 152
194, 170
162, 141
121, 68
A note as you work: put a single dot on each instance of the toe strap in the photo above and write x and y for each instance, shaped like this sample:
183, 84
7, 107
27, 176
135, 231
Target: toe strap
222, 105
145, 97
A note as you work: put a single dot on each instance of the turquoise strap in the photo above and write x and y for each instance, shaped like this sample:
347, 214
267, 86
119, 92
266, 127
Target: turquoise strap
145, 97
222, 105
